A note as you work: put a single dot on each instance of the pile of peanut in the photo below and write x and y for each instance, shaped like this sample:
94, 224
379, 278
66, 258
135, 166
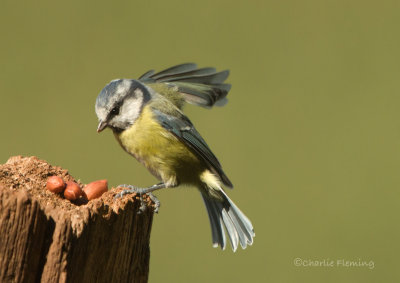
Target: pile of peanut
72, 191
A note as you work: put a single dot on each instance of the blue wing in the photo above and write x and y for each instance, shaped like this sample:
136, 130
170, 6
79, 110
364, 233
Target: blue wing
184, 130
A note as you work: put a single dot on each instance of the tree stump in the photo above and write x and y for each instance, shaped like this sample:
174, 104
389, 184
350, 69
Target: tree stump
46, 238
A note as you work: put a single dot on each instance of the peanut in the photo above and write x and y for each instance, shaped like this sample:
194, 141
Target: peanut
96, 189
55, 184
72, 191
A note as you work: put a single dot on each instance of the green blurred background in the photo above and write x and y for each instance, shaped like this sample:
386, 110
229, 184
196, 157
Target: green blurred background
310, 137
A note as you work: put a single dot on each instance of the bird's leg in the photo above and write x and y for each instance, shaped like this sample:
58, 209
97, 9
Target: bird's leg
141, 191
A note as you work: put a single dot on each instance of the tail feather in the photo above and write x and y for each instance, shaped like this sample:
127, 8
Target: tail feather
245, 224
226, 214
230, 229
242, 236
217, 228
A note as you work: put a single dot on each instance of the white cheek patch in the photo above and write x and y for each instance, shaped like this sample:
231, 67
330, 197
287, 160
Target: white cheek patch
132, 106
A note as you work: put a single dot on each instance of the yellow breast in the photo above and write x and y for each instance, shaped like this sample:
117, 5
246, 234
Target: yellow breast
162, 153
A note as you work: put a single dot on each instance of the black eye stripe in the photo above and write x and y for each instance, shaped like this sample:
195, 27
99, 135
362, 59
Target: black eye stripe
115, 110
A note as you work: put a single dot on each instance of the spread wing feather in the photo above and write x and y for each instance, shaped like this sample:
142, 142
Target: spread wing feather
204, 87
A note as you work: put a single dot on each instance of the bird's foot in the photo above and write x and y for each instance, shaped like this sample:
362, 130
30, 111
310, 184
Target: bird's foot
129, 189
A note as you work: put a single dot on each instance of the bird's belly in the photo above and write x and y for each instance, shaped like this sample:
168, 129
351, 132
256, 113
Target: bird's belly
163, 154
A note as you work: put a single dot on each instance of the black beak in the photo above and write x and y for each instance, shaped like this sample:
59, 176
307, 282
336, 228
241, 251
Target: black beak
102, 125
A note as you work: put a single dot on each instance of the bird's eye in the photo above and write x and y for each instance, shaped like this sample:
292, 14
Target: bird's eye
115, 111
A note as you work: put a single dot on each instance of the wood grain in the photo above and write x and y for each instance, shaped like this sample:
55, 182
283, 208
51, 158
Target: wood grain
45, 238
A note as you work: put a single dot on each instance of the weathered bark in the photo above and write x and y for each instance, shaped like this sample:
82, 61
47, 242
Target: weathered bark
45, 238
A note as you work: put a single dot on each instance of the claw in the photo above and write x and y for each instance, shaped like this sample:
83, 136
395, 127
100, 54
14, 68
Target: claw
140, 191
156, 202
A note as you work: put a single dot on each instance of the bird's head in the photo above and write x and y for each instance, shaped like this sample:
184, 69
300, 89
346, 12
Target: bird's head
120, 103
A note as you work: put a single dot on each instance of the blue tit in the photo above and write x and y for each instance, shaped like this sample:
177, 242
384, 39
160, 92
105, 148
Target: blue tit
146, 118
